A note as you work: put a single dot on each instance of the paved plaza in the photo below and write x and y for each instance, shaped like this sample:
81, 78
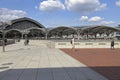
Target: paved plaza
39, 62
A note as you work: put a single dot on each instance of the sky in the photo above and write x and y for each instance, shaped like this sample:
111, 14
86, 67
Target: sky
54, 13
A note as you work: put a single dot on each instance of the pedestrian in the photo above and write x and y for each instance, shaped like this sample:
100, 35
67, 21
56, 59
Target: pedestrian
5, 41
73, 43
112, 44
27, 41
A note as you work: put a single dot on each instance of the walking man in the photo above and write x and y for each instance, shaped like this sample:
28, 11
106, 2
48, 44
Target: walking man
112, 44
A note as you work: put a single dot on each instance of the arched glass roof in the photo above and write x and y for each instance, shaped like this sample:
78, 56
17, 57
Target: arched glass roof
28, 24
62, 30
28, 19
24, 23
99, 29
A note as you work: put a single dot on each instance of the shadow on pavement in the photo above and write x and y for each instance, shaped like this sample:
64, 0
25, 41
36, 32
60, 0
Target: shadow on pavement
68, 73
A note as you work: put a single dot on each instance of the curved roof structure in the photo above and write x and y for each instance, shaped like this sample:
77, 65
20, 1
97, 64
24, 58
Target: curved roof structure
99, 29
36, 29
27, 19
13, 30
61, 30
24, 23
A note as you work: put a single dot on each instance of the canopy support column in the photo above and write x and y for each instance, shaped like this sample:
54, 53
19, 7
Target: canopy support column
46, 36
78, 33
22, 35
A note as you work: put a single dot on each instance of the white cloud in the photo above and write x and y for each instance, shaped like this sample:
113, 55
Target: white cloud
106, 22
84, 18
101, 7
118, 3
51, 5
84, 6
95, 19
7, 14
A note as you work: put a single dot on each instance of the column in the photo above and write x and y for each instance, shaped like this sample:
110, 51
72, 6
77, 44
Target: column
78, 33
46, 36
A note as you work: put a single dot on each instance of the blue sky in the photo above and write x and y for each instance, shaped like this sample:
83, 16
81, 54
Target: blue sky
54, 13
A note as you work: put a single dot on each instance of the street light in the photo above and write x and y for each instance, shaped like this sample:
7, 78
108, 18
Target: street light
3, 25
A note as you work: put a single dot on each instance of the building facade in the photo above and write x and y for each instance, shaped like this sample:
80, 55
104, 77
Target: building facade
22, 27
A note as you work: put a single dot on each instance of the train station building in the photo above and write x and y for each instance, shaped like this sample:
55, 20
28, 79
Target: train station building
22, 27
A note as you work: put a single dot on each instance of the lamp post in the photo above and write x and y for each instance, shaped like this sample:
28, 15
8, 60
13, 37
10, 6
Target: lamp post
4, 24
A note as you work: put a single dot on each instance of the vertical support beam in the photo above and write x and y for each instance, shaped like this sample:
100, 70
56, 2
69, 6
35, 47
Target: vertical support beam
37, 35
73, 35
46, 36
61, 35
55, 36
22, 35
88, 34
3, 41
67, 35
78, 33
95, 34
100, 34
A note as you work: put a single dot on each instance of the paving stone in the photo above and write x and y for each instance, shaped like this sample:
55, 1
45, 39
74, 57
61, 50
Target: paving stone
38, 62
